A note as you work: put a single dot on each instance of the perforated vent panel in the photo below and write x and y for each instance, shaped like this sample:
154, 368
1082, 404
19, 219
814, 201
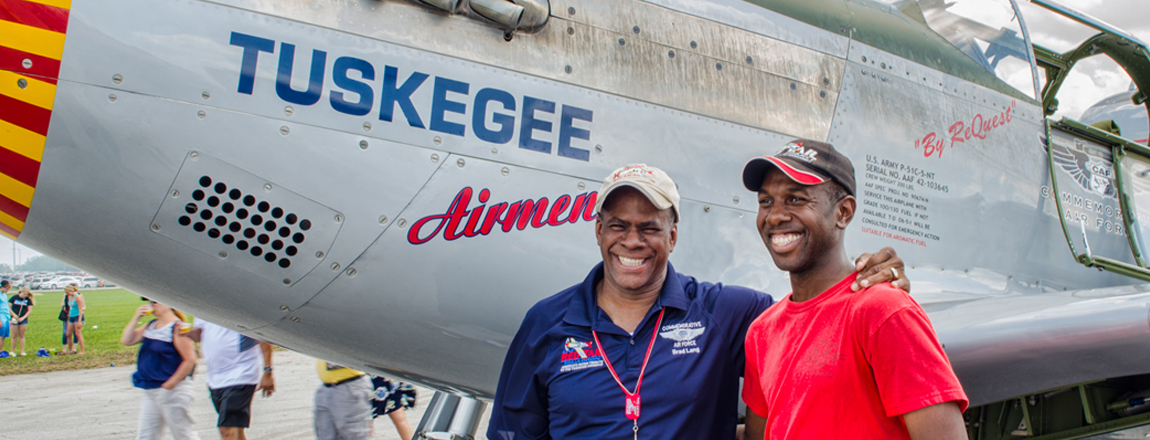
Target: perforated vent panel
239, 217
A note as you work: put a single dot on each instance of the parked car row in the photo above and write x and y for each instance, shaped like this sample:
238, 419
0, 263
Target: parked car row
56, 282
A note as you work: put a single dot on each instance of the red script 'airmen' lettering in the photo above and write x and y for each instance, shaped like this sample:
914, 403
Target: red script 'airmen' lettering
517, 215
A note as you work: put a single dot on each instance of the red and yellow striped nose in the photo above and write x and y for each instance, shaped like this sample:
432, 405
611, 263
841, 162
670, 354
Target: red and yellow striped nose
31, 45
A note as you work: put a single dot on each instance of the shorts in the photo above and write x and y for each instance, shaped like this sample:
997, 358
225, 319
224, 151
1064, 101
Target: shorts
389, 396
24, 322
73, 319
234, 405
4, 330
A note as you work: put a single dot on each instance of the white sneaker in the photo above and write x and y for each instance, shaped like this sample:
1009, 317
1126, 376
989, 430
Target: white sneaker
23, 354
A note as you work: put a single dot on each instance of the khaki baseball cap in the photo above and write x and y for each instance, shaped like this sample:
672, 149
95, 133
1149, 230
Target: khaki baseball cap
651, 181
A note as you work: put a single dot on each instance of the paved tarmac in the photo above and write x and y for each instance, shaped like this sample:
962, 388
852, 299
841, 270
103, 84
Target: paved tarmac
102, 404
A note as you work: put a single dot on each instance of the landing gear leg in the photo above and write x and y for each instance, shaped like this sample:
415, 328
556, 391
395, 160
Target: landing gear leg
450, 417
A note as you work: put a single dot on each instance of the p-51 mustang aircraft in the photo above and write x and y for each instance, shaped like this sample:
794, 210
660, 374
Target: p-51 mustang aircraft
390, 184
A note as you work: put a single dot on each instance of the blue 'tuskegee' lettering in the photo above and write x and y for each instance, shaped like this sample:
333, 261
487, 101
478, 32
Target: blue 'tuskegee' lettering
314, 81
493, 111
343, 65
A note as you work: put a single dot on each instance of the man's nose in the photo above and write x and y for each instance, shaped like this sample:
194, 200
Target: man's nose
777, 215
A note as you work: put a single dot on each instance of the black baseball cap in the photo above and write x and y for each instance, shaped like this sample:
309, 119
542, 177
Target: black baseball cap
5, 283
805, 161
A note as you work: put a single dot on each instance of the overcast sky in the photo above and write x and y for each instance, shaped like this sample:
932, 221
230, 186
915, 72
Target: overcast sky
1090, 81
1096, 77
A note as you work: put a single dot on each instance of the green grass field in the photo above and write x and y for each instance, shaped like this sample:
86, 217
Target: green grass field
107, 313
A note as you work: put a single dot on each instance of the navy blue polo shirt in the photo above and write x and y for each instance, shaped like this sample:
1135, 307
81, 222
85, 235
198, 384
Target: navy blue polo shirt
555, 384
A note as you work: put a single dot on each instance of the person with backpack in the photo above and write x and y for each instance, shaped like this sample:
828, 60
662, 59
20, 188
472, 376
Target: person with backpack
164, 371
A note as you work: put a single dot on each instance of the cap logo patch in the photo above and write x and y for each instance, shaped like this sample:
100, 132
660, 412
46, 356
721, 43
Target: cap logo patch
797, 151
639, 171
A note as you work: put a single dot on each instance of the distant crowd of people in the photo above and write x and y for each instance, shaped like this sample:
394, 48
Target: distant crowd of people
14, 313
346, 402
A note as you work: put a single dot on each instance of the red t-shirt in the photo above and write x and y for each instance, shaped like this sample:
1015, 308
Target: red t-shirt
845, 362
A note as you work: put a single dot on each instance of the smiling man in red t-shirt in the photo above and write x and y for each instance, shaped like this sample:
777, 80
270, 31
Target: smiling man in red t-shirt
826, 361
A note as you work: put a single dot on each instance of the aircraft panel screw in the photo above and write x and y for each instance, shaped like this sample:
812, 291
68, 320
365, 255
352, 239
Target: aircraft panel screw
175, 193
223, 254
383, 219
718, 66
505, 171
335, 267
736, 200
598, 148
267, 187
622, 42
402, 223
635, 29
581, 186
288, 110
570, 31
284, 130
117, 78
194, 155
567, 69
826, 81
706, 208
27, 63
155, 227
434, 158
864, 58
22, 83
460, 163
295, 319
670, 54
319, 254
206, 95
285, 308
363, 145
338, 218
694, 45
740, 215
202, 114
366, 126
437, 140
794, 86
494, 151
112, 97
822, 93
750, 60
351, 272
571, 11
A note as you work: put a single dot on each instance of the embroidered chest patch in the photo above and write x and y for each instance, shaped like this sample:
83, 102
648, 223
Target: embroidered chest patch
579, 355
684, 335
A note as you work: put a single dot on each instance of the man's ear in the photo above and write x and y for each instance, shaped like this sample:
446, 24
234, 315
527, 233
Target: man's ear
845, 212
674, 236
598, 229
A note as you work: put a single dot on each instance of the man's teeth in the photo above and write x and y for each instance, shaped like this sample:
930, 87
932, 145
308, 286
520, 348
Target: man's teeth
783, 240
631, 261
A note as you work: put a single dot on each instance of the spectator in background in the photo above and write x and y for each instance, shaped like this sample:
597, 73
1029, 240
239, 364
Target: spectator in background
5, 317
393, 399
21, 306
75, 323
342, 403
163, 370
234, 376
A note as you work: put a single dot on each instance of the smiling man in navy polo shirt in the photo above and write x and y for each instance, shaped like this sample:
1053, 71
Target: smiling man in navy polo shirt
636, 349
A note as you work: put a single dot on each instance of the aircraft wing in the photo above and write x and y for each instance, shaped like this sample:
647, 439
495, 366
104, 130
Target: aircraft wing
1005, 346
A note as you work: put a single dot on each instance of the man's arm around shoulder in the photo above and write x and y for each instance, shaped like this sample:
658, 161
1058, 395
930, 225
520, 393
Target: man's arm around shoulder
936, 422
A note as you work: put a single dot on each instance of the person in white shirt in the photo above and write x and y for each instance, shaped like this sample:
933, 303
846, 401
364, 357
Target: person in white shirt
234, 374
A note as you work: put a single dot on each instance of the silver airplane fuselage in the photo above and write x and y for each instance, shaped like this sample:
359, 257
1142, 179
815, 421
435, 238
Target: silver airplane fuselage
390, 186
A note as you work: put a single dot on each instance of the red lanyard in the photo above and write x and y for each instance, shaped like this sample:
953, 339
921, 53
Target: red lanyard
631, 410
